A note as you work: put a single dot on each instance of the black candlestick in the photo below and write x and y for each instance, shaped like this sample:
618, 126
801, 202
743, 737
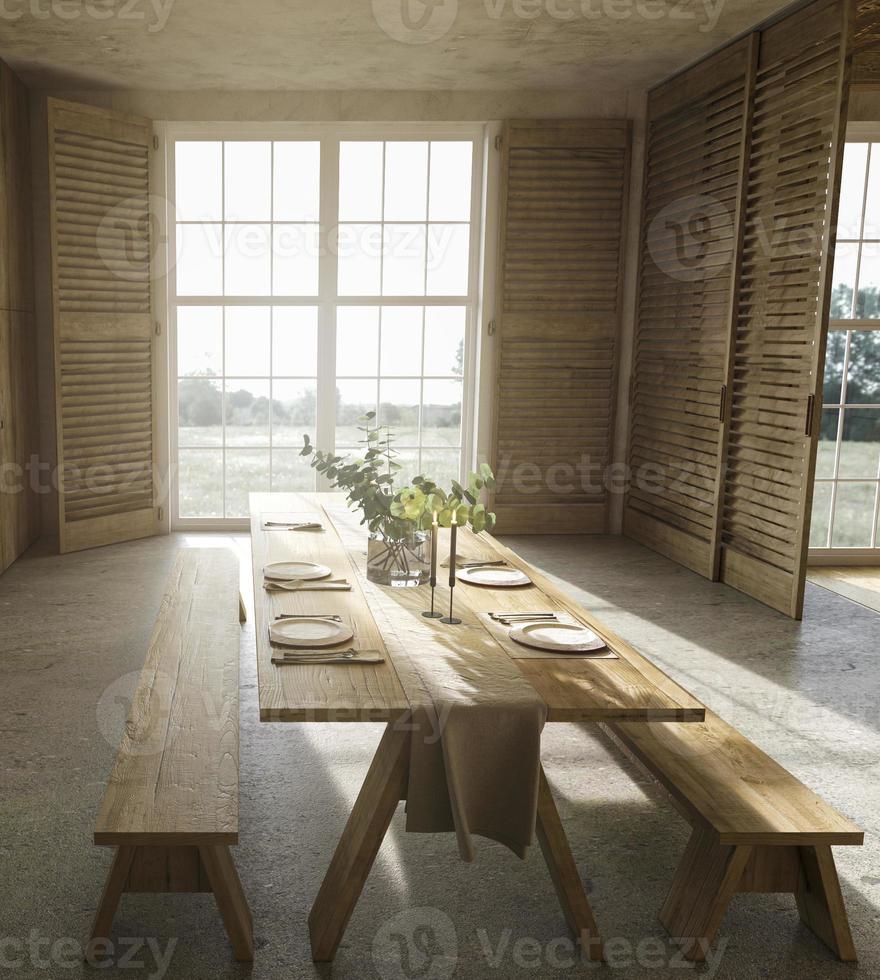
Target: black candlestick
450, 619
430, 614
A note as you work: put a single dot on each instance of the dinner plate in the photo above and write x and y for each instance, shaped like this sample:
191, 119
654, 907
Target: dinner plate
497, 577
564, 637
305, 632
294, 571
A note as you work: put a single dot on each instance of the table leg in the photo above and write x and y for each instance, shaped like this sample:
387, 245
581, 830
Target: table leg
383, 789
564, 872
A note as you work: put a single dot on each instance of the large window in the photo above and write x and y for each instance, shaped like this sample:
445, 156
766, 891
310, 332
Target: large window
317, 279
847, 490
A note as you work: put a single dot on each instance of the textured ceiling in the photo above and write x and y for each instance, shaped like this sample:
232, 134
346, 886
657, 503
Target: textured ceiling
359, 44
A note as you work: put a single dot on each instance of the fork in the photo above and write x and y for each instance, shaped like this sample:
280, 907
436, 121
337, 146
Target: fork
309, 616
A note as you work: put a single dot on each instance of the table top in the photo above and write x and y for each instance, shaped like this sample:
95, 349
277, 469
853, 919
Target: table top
629, 688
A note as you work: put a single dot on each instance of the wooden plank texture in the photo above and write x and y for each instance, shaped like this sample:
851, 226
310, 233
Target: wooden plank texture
574, 689
175, 779
726, 782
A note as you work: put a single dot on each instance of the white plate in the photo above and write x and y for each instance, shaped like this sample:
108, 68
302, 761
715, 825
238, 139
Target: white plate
295, 571
564, 637
498, 577
309, 632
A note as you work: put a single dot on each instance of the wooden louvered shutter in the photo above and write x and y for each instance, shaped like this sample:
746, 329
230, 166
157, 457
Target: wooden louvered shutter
795, 152
696, 129
866, 45
104, 356
564, 190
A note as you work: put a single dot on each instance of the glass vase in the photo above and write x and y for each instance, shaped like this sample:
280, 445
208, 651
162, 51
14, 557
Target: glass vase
400, 560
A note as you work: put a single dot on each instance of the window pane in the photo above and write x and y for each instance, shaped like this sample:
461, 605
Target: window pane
844, 281
295, 341
441, 465
247, 341
248, 260
200, 479
860, 448
863, 380
834, 357
868, 301
247, 412
199, 260
401, 340
357, 341
291, 472
360, 181
406, 181
403, 269
247, 173
441, 413
199, 341
448, 260
296, 195
293, 412
444, 340
872, 204
353, 399
359, 257
399, 408
247, 471
852, 190
821, 515
199, 412
408, 459
450, 196
854, 515
198, 191
295, 258
827, 444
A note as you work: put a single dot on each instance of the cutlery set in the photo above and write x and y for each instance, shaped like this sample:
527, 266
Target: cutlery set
309, 585
515, 618
301, 656
294, 525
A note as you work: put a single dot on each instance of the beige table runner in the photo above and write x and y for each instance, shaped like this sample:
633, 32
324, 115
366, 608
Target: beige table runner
477, 722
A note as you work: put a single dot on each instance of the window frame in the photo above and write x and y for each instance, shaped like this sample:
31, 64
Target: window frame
330, 135
858, 132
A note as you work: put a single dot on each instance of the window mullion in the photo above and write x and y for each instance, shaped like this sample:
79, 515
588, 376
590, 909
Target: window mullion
325, 433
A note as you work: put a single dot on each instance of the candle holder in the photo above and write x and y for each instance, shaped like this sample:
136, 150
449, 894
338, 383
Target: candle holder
451, 620
430, 613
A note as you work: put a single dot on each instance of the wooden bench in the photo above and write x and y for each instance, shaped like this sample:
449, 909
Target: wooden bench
171, 804
756, 828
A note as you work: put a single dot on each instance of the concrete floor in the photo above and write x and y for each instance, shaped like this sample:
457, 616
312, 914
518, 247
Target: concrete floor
73, 632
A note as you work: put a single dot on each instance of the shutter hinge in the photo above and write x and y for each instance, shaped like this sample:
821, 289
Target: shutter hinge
155, 142
158, 329
491, 328
499, 139
811, 411
722, 405
160, 513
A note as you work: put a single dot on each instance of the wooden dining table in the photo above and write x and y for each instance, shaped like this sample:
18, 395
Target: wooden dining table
627, 687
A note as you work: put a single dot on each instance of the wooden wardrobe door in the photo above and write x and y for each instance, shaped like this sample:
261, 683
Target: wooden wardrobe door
694, 174
104, 356
564, 190
795, 153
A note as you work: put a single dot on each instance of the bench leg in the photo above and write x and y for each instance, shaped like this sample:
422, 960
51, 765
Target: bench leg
367, 825
564, 872
705, 881
231, 899
113, 889
820, 901
710, 874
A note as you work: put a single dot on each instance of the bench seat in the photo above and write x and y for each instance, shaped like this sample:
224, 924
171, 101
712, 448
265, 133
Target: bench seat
172, 801
756, 828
